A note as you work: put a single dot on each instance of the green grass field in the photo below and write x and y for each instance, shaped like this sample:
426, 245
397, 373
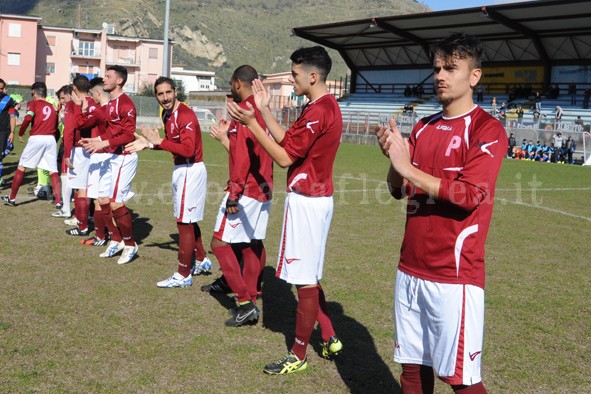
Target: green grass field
73, 322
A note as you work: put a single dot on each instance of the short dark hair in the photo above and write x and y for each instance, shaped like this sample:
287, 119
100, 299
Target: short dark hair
315, 57
162, 80
40, 88
95, 82
460, 45
2, 81
66, 89
245, 73
82, 83
120, 71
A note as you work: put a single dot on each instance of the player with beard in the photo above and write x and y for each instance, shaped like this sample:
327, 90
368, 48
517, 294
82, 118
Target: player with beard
448, 169
41, 148
189, 177
242, 219
115, 186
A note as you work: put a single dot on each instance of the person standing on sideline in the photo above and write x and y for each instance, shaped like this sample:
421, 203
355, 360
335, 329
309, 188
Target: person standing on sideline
308, 150
7, 123
448, 169
512, 142
116, 182
189, 177
241, 223
41, 148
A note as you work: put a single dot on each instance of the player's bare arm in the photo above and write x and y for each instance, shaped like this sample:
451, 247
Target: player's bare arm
12, 128
246, 117
398, 153
262, 98
152, 134
219, 132
139, 144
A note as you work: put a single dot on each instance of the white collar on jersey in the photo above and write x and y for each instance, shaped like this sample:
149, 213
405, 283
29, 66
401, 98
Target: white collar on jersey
460, 116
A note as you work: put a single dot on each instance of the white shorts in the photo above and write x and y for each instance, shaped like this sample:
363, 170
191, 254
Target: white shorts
306, 221
249, 223
40, 152
189, 188
78, 176
115, 182
439, 325
98, 166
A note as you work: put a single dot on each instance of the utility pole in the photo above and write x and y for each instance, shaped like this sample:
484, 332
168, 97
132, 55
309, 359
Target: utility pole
165, 62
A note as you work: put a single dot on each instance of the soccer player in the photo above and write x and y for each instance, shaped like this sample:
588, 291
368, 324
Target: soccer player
93, 115
308, 150
189, 177
448, 169
241, 224
41, 148
76, 159
7, 123
115, 185
64, 95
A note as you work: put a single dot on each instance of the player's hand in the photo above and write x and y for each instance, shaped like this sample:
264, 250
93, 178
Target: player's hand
92, 145
68, 163
232, 206
241, 115
139, 144
11, 137
262, 97
76, 99
84, 105
151, 134
219, 131
20, 138
383, 131
398, 152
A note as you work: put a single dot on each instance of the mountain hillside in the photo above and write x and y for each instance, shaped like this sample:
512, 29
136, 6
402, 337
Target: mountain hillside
216, 35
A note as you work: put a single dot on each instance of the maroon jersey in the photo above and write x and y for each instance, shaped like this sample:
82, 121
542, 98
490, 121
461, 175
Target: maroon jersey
43, 116
312, 144
251, 168
444, 237
120, 119
94, 118
183, 135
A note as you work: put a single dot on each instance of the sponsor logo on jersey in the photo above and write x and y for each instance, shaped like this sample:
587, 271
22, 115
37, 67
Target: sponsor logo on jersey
309, 125
289, 261
473, 355
444, 127
484, 147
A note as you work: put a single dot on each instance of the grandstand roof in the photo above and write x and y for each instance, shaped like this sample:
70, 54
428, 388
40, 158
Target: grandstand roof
543, 32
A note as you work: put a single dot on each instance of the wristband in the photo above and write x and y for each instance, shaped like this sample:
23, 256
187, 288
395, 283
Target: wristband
150, 145
231, 203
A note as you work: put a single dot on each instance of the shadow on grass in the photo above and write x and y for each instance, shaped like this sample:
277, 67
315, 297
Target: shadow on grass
141, 227
360, 366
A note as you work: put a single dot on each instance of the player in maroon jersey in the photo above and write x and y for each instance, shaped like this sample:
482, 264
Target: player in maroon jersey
41, 148
92, 114
189, 176
114, 188
76, 159
241, 223
448, 170
308, 150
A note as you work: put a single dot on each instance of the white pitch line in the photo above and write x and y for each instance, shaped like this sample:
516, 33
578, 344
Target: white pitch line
572, 215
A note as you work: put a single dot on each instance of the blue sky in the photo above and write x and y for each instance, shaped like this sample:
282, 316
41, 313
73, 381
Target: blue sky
442, 5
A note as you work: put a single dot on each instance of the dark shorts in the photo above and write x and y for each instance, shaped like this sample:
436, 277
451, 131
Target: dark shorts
3, 139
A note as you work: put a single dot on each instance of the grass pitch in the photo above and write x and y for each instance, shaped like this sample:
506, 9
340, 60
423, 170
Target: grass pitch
73, 322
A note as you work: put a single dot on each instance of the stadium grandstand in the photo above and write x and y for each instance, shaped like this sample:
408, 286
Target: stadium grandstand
530, 47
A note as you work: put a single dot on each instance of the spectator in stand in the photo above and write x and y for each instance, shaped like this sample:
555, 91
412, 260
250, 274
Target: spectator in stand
519, 112
480, 93
579, 122
512, 142
568, 148
558, 114
586, 98
572, 90
407, 91
493, 105
538, 101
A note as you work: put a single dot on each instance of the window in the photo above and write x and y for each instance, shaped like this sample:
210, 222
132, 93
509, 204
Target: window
153, 53
51, 41
86, 48
14, 30
50, 68
14, 59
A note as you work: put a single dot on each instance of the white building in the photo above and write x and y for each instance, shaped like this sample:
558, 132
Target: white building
193, 80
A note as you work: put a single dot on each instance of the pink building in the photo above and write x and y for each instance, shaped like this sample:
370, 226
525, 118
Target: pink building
18, 43
30, 52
